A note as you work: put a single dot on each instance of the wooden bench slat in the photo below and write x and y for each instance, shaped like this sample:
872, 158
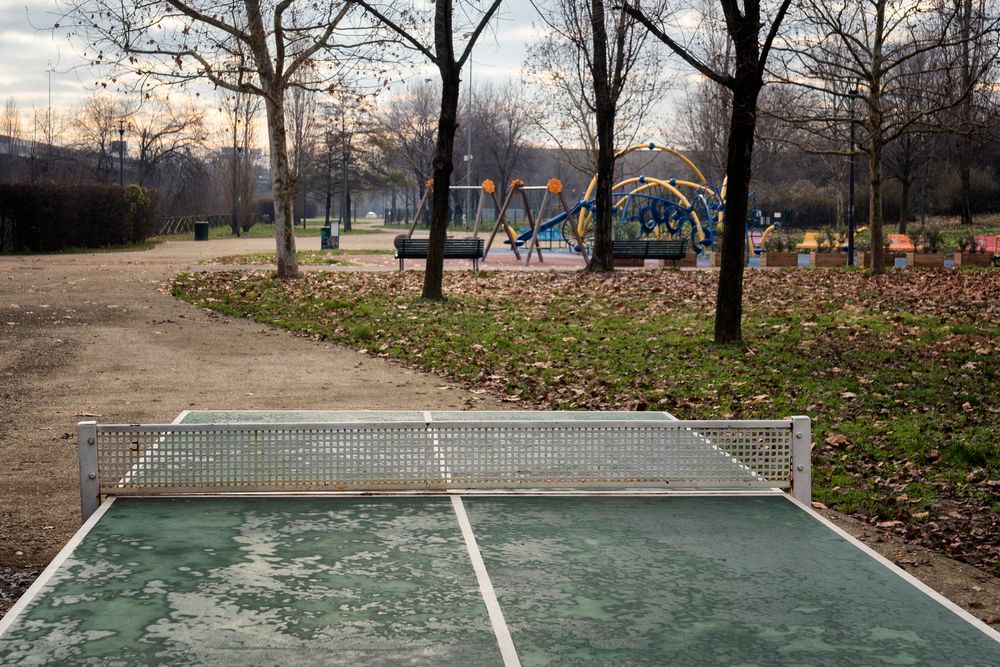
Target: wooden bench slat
650, 249
453, 249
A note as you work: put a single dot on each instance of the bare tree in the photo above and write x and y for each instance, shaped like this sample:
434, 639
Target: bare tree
240, 113
562, 89
245, 46
501, 130
972, 57
94, 127
878, 53
411, 122
411, 28
10, 124
745, 78
302, 118
165, 132
599, 47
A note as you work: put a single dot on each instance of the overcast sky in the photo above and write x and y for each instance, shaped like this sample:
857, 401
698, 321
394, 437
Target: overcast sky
28, 50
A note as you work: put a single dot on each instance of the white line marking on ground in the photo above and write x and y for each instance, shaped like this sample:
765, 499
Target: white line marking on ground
500, 628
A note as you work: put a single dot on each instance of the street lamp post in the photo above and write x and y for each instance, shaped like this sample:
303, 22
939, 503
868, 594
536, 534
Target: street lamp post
121, 153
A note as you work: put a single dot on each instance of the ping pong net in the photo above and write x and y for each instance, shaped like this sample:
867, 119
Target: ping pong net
440, 456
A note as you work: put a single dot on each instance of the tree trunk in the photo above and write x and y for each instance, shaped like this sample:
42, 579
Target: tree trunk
876, 142
283, 186
742, 126
601, 258
875, 218
329, 183
904, 203
966, 181
447, 123
965, 112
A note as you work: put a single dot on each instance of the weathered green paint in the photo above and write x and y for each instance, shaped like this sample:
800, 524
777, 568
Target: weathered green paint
703, 581
262, 581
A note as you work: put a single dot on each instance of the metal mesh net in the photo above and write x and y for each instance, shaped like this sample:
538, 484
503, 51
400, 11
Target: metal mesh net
441, 455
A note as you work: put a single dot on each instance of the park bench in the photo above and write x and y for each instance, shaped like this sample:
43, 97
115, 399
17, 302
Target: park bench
669, 249
453, 249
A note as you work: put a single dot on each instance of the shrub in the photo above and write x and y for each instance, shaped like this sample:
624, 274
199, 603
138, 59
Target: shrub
966, 243
46, 217
932, 240
778, 242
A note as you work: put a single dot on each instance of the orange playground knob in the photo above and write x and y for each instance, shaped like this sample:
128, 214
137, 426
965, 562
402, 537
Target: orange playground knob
554, 185
488, 187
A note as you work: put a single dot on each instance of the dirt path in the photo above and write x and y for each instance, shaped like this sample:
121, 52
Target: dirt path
97, 336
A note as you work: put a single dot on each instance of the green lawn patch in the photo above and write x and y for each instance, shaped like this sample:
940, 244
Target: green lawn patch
900, 373
306, 257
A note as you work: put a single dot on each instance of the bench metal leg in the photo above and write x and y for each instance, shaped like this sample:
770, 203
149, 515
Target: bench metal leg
400, 263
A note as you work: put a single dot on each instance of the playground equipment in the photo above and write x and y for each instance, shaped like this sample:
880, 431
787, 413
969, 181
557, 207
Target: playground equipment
536, 228
646, 206
485, 188
642, 206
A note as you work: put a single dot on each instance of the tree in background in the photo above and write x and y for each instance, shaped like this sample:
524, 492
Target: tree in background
596, 59
94, 127
244, 46
411, 26
166, 133
10, 124
560, 90
879, 55
972, 54
745, 78
302, 116
240, 112
410, 121
501, 129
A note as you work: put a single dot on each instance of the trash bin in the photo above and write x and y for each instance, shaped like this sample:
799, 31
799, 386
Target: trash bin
201, 230
329, 237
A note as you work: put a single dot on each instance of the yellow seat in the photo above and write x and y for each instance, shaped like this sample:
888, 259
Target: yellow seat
810, 242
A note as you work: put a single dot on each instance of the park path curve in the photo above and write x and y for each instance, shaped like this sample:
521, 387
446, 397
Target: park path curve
98, 335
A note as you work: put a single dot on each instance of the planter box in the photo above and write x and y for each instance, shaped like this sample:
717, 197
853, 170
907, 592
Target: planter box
935, 260
690, 259
829, 259
972, 259
779, 259
717, 259
890, 260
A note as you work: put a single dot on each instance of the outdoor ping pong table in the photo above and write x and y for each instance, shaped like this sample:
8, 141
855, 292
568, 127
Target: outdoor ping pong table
469, 538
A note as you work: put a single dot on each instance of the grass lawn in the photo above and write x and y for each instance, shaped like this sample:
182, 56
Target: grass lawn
321, 257
266, 231
900, 373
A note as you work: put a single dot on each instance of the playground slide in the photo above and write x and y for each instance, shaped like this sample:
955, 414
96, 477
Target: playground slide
524, 235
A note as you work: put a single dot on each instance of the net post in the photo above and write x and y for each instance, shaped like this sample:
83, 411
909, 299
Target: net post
90, 485
801, 464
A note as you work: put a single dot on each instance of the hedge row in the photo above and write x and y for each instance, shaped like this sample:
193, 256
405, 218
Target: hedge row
45, 217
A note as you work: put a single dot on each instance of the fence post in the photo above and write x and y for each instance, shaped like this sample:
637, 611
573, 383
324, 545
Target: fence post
801, 459
90, 484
